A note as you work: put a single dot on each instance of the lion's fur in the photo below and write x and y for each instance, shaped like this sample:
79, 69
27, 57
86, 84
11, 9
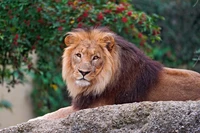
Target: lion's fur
127, 74
177, 85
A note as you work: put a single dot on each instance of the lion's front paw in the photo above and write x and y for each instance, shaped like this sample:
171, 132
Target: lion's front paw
61, 113
49, 116
37, 118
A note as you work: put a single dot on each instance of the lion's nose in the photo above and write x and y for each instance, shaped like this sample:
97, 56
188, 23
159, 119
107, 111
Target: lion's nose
84, 72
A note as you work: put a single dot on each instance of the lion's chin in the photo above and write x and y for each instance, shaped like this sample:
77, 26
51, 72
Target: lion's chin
82, 83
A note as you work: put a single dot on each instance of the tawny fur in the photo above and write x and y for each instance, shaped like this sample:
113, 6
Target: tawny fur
122, 73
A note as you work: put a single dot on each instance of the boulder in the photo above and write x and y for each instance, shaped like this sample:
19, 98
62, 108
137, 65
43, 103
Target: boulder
143, 117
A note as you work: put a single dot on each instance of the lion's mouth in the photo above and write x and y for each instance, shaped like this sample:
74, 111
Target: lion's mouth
82, 82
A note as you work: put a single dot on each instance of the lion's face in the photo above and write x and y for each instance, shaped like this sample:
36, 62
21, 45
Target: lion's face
89, 61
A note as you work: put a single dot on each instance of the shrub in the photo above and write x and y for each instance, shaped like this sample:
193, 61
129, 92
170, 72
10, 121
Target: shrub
180, 30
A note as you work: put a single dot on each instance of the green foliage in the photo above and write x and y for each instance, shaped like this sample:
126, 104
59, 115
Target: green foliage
38, 26
5, 104
180, 30
197, 57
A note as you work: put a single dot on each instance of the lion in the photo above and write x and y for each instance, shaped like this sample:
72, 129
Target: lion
101, 68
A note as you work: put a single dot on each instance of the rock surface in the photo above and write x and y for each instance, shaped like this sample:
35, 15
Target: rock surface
144, 117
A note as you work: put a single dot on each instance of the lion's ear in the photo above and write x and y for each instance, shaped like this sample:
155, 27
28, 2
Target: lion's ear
69, 39
109, 41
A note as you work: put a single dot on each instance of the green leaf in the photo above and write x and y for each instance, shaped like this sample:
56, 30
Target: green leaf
6, 104
1, 37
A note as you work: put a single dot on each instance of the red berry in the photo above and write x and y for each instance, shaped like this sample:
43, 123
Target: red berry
69, 3
100, 16
129, 13
16, 36
41, 21
33, 47
85, 14
140, 22
107, 11
62, 21
156, 32
140, 35
124, 19
38, 37
120, 8
39, 9
60, 28
79, 25
30, 66
15, 42
79, 19
142, 43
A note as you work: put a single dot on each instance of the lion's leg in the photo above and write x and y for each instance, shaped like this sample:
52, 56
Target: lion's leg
198, 99
61, 113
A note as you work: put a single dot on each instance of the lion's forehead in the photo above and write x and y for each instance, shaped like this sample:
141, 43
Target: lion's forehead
89, 48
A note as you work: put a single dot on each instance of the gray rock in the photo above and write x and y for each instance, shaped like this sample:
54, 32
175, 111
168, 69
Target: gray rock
144, 117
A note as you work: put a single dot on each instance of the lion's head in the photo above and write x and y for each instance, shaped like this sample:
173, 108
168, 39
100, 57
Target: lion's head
89, 61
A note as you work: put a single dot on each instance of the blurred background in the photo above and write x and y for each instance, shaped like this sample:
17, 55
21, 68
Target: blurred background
31, 46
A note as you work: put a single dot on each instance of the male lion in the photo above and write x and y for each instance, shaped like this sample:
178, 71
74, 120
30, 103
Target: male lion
101, 68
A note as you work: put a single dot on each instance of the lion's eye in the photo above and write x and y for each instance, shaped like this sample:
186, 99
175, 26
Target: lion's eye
78, 55
95, 57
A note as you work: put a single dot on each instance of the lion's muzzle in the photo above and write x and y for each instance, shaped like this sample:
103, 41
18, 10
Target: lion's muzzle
83, 72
